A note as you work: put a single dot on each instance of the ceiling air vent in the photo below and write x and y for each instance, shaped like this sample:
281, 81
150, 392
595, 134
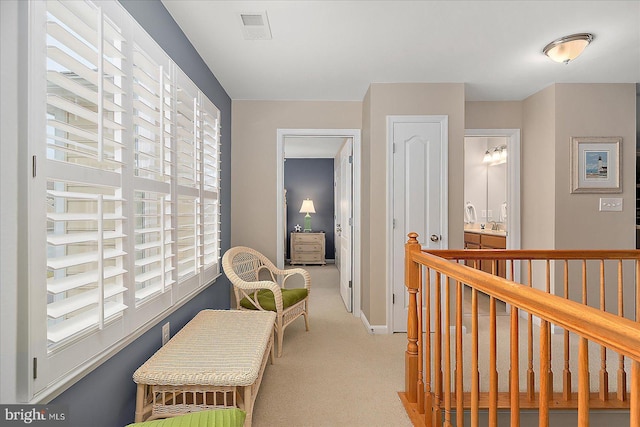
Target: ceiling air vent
255, 26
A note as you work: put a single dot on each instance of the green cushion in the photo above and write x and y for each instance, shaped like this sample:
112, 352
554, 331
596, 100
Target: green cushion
232, 417
267, 301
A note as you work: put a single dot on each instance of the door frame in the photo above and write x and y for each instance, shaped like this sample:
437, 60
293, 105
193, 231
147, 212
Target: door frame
444, 194
514, 237
354, 134
339, 184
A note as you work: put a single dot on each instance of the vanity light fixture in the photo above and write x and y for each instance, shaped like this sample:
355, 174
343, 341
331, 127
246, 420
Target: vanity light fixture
567, 48
496, 155
487, 157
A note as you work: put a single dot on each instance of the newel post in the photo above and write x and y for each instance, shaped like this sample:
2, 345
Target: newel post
411, 281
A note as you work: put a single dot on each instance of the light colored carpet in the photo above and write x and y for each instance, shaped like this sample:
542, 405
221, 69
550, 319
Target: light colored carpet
337, 374
503, 352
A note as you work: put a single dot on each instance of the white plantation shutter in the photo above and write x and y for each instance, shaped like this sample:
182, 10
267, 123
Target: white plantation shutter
152, 89
152, 129
153, 244
211, 182
188, 257
188, 168
186, 132
84, 258
84, 133
124, 216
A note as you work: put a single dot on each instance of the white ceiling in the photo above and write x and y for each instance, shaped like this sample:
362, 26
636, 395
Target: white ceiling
333, 50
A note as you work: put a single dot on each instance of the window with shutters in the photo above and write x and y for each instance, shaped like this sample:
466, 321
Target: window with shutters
123, 198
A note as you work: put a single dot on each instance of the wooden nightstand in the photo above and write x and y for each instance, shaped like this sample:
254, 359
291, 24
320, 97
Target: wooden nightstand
307, 248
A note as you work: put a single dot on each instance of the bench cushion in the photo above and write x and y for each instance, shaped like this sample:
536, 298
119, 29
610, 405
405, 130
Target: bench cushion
213, 418
267, 301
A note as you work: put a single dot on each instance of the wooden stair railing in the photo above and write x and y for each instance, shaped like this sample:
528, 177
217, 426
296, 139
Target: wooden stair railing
436, 383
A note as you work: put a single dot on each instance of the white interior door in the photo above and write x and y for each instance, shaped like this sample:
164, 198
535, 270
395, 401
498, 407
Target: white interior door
419, 195
343, 222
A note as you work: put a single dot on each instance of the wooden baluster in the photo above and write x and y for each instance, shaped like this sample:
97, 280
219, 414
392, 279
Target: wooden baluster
459, 358
531, 375
583, 363
634, 398
604, 375
514, 351
475, 373
549, 372
493, 371
428, 401
411, 272
622, 375
543, 401
420, 385
566, 373
437, 369
447, 352
583, 382
584, 281
514, 379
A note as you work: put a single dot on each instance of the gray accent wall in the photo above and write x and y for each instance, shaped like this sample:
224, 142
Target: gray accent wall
106, 396
313, 179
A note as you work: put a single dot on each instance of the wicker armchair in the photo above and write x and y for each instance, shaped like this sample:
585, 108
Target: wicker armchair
243, 266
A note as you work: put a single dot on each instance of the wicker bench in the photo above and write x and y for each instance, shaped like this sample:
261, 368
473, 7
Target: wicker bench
215, 361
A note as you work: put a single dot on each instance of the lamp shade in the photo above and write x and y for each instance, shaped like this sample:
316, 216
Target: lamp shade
567, 48
307, 206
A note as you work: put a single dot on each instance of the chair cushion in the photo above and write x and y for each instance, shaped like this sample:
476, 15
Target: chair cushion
232, 417
267, 301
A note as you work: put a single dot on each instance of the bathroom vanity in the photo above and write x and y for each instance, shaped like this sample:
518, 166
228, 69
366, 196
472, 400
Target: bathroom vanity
487, 239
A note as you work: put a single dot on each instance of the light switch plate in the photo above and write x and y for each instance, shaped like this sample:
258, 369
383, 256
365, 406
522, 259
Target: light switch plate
610, 204
166, 334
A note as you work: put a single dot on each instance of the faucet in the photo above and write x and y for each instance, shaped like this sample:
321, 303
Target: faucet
494, 225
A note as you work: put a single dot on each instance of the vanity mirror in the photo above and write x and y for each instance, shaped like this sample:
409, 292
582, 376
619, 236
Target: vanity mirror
485, 183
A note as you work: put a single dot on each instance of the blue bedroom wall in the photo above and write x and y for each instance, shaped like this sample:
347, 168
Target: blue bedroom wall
313, 179
106, 396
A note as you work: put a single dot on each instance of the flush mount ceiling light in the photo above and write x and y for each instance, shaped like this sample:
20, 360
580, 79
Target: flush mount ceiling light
567, 48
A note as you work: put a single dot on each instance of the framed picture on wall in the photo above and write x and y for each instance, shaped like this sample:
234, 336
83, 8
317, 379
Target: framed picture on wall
595, 164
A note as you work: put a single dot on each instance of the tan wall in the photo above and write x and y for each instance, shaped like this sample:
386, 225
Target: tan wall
493, 115
538, 170
408, 99
365, 247
551, 216
253, 160
594, 110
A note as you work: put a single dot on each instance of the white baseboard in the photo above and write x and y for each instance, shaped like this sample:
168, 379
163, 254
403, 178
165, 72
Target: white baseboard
373, 329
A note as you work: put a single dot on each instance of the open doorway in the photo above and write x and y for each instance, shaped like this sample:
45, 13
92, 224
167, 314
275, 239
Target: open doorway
507, 204
492, 198
308, 143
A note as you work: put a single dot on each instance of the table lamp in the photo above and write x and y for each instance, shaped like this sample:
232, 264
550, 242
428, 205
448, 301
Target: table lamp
307, 207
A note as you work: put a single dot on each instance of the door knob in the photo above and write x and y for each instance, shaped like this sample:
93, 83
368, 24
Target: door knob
435, 238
